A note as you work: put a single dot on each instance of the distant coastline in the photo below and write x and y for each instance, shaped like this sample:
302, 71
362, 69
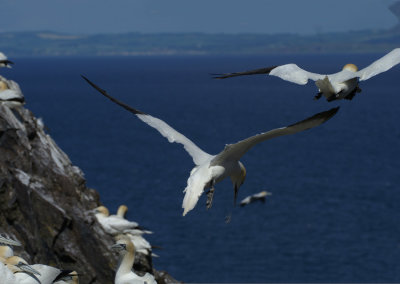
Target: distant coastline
47, 43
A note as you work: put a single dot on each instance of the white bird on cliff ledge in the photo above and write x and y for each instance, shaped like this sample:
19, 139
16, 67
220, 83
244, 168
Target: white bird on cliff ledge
22, 272
124, 274
4, 62
211, 169
341, 85
113, 224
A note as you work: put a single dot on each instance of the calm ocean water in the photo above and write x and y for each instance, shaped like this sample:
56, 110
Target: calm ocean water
334, 213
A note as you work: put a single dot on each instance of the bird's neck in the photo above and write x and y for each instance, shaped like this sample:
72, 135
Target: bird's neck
126, 263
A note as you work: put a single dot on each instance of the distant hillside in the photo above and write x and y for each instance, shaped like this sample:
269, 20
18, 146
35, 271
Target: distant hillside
57, 44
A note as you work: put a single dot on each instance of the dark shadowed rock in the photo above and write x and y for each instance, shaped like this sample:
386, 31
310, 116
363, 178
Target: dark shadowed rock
44, 202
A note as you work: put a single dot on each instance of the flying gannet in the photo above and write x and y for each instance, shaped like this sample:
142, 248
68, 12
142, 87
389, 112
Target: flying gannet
211, 169
4, 62
125, 275
255, 197
341, 85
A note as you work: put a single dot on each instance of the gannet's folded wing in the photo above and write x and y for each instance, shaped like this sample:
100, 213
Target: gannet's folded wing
293, 73
250, 72
8, 241
198, 155
237, 150
120, 224
381, 65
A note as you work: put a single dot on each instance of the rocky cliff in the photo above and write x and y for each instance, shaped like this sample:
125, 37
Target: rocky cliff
44, 202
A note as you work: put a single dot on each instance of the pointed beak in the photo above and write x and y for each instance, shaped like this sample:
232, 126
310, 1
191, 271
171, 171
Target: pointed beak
28, 268
118, 247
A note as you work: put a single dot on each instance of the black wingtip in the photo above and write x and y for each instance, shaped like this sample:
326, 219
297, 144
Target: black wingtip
322, 116
104, 93
259, 71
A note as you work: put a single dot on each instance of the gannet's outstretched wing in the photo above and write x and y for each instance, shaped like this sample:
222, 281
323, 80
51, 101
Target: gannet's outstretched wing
237, 150
381, 65
288, 72
250, 72
198, 155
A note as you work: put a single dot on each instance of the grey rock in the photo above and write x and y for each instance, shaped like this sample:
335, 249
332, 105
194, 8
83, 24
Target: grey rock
44, 203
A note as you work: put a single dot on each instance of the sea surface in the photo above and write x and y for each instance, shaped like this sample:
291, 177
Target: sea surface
334, 212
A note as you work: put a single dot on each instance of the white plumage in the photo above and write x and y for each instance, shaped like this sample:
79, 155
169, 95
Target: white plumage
124, 274
211, 169
113, 224
340, 85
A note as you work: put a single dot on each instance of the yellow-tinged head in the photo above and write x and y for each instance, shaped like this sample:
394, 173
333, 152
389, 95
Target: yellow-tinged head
123, 244
3, 86
122, 209
102, 210
350, 67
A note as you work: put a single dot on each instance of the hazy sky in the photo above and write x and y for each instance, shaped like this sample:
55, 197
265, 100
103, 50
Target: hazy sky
211, 16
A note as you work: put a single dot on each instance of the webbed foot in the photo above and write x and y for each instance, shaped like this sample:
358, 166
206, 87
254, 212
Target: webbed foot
210, 195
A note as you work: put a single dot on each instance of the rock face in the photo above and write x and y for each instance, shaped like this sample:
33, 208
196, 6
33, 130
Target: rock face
44, 202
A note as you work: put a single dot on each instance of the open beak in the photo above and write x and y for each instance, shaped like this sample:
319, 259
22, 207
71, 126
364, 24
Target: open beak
28, 268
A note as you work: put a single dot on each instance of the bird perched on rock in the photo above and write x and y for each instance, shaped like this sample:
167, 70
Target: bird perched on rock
4, 62
341, 85
113, 224
255, 197
125, 275
10, 93
211, 169
23, 273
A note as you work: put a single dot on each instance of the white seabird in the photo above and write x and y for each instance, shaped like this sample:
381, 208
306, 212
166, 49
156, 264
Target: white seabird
211, 169
10, 93
113, 224
124, 274
255, 197
4, 62
23, 272
341, 85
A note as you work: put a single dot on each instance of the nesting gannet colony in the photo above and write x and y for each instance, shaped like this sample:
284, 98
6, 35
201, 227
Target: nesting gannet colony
340, 85
211, 169
16, 270
117, 225
44, 200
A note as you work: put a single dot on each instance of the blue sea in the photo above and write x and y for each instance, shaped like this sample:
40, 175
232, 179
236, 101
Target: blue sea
334, 212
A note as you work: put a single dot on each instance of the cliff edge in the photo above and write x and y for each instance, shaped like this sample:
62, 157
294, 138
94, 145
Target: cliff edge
44, 202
